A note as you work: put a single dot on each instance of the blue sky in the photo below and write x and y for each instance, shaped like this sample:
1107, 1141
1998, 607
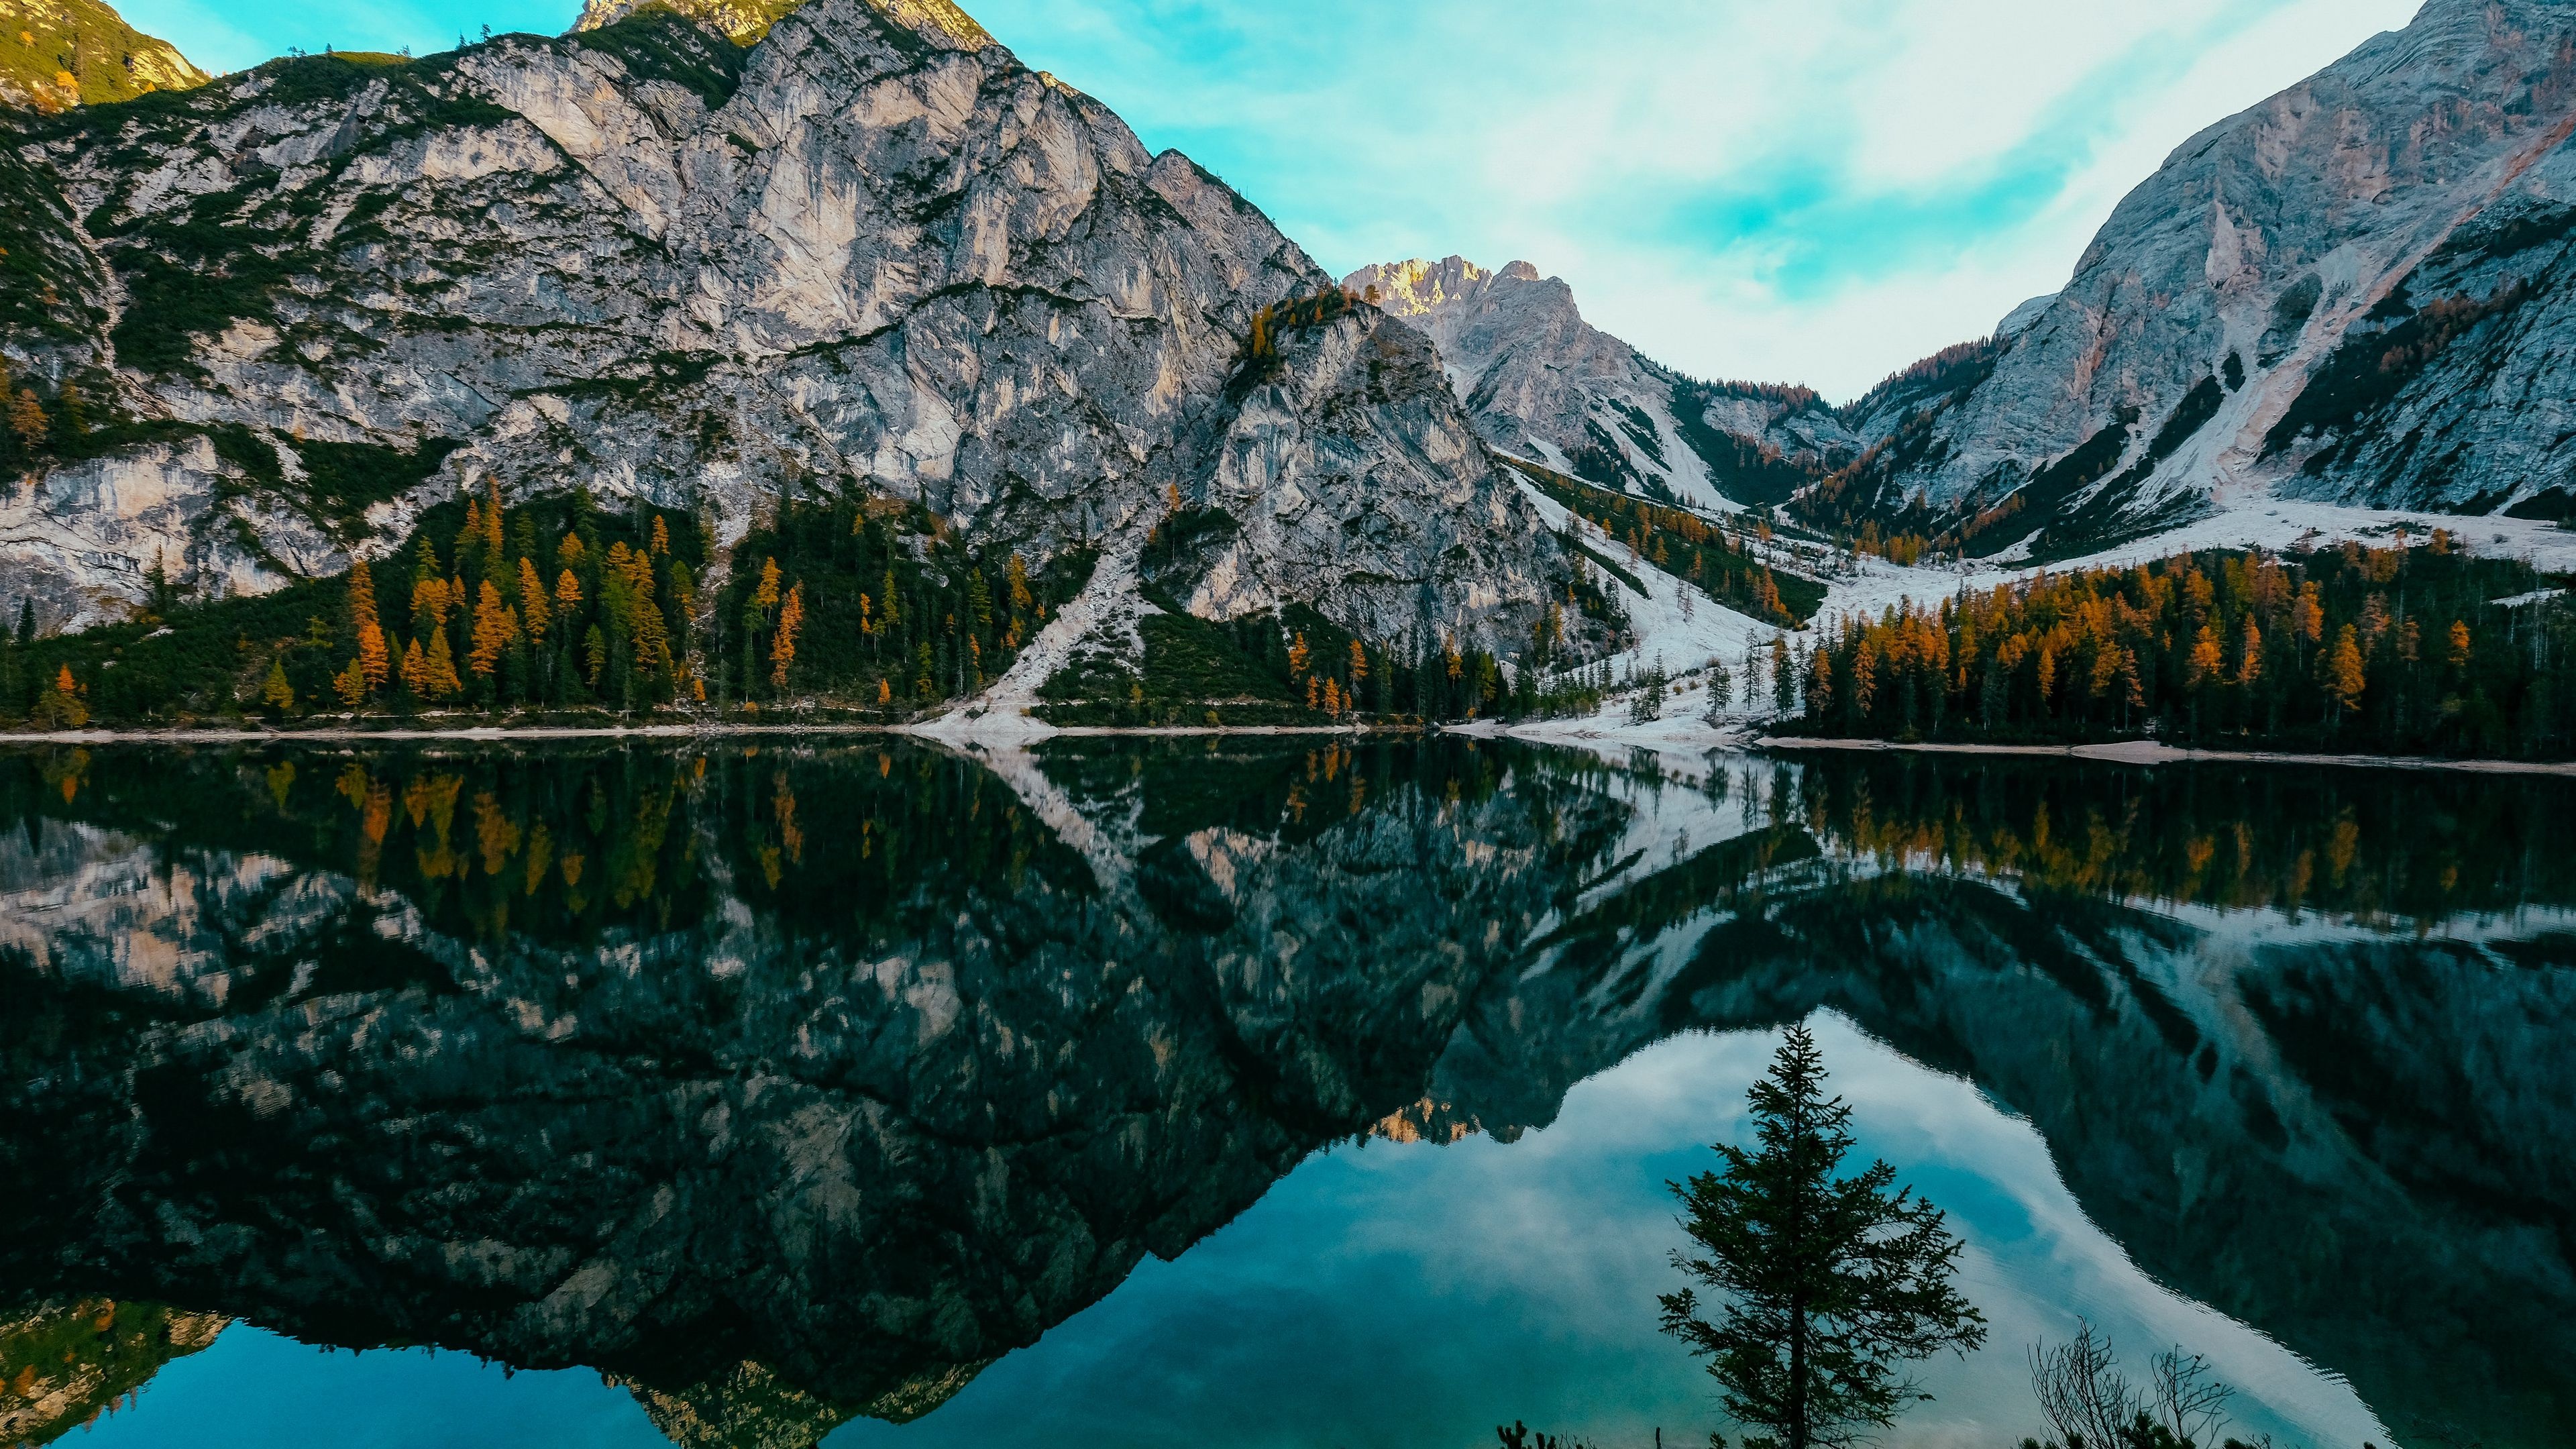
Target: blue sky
1818, 192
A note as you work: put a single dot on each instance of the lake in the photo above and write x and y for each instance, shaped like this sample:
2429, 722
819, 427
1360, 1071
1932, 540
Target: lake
1241, 1090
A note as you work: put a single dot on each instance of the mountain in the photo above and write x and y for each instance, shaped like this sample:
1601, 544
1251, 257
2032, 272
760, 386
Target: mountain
2352, 294
273, 319
2357, 292
1541, 382
55, 54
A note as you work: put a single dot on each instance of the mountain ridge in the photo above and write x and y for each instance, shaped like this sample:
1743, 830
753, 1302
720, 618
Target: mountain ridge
871, 251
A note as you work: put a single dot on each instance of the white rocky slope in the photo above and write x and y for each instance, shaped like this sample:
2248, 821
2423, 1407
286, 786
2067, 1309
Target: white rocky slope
2356, 293
1542, 382
872, 252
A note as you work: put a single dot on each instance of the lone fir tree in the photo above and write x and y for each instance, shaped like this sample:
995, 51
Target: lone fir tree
1828, 1283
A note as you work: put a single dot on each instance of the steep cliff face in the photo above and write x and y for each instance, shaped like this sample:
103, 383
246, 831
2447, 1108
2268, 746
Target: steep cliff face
2352, 293
1541, 382
873, 252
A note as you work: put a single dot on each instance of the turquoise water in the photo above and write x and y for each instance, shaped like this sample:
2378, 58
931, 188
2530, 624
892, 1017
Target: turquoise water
1155, 1096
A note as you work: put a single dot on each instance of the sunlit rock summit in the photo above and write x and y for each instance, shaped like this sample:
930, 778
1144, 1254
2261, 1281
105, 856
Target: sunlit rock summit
1543, 383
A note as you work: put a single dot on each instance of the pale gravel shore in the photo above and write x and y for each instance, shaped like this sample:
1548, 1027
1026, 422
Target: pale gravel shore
940, 731
2149, 752
1664, 734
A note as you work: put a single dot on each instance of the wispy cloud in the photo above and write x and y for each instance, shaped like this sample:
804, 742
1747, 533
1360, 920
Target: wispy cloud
1820, 192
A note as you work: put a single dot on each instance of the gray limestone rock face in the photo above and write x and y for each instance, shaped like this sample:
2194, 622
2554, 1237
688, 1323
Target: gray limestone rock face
873, 253
1541, 382
2350, 293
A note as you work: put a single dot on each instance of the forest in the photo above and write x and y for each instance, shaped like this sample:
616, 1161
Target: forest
863, 609
2417, 649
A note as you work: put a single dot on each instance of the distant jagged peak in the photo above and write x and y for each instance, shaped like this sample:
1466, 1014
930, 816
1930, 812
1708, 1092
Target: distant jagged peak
1417, 287
56, 54
745, 22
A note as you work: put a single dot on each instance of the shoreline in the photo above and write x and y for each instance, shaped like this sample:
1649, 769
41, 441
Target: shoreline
1021, 733
2150, 752
939, 730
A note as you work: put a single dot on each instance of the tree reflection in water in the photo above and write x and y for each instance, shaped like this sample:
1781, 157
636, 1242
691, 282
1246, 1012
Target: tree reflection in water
789, 1082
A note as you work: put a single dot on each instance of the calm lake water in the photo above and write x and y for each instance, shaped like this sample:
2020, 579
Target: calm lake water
1240, 1091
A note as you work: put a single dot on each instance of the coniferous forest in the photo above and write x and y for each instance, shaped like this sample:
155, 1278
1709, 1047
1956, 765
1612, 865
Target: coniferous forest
2417, 649
866, 609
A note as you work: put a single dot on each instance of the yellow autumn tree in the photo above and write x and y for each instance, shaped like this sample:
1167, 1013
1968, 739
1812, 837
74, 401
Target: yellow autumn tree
27, 418
533, 613
429, 603
492, 544
62, 707
1298, 655
782, 640
275, 692
2307, 613
438, 669
1016, 575
2344, 678
415, 670
495, 625
373, 662
2202, 665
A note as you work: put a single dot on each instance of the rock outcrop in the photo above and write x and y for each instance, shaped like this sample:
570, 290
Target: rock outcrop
873, 252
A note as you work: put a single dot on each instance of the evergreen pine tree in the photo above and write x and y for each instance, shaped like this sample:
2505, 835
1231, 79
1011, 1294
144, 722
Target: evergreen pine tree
1828, 1283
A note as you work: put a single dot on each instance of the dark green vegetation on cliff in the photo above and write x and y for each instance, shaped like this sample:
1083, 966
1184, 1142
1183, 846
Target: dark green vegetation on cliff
2405, 650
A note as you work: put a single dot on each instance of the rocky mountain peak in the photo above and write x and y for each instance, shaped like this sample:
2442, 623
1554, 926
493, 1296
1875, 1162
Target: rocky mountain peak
2355, 292
1543, 383
872, 254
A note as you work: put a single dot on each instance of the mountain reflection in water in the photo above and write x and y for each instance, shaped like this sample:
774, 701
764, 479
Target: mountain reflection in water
791, 1086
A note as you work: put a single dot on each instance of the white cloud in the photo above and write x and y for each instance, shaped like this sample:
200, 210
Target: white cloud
1818, 192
